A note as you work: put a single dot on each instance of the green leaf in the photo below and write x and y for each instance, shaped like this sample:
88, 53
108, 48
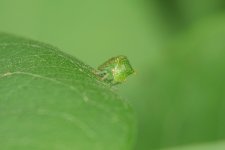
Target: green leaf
220, 145
50, 100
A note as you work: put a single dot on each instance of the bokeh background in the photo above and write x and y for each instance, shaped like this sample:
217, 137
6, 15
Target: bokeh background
177, 48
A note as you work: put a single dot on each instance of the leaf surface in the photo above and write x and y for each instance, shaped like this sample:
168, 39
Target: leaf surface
50, 100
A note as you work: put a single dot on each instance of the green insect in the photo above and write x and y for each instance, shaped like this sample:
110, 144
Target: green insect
115, 70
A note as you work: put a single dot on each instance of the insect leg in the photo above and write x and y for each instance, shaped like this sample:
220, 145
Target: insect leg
105, 77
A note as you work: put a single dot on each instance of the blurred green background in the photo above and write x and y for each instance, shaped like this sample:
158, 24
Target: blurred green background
177, 48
